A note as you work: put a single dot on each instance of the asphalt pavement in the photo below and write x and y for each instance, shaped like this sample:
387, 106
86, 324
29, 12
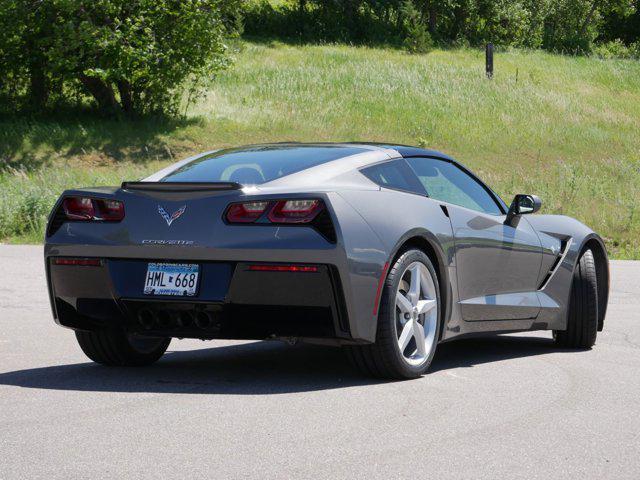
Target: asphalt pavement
503, 407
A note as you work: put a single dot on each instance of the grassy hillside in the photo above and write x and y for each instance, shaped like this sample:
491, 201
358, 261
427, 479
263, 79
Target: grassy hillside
564, 128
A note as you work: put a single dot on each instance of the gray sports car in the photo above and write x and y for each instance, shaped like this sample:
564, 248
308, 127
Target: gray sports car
386, 250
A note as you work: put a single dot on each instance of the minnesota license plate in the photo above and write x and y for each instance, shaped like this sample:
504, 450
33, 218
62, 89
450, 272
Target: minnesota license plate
172, 279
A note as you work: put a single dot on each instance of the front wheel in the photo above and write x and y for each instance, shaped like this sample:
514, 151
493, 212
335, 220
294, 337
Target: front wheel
408, 321
117, 348
582, 318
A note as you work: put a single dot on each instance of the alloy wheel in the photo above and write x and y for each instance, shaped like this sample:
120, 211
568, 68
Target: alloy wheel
416, 313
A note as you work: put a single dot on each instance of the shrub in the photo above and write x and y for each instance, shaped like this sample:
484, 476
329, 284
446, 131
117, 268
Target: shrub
131, 56
572, 26
417, 38
615, 49
502, 22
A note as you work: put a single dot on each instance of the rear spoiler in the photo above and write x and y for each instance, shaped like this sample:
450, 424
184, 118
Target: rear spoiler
180, 186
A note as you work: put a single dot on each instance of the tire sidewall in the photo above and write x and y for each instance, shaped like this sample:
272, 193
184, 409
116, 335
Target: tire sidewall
388, 309
145, 356
582, 310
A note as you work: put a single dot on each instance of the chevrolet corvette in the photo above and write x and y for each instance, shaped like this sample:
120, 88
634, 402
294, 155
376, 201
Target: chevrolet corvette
384, 250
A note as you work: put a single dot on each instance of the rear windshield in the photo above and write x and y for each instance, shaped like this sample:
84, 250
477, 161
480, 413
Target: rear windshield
256, 165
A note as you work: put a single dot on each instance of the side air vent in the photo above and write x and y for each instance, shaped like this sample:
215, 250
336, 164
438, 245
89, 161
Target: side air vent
323, 224
564, 248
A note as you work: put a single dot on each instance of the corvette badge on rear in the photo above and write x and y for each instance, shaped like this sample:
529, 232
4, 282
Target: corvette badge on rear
171, 279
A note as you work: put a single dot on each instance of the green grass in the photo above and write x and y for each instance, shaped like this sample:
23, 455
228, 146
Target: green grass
565, 128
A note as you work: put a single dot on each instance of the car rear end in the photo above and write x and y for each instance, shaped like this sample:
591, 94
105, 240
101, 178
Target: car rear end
197, 260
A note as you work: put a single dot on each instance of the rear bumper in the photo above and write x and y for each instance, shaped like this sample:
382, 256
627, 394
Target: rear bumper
232, 301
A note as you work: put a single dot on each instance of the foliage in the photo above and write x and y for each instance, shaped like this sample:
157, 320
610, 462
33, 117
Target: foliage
616, 49
131, 56
417, 38
569, 26
565, 128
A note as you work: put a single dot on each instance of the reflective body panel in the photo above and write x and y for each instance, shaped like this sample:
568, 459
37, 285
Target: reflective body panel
497, 266
494, 276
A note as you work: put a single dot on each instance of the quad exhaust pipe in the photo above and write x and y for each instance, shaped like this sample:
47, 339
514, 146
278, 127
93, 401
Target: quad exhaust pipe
184, 318
147, 318
203, 320
150, 319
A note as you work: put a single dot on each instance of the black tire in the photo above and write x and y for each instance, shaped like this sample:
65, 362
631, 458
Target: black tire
383, 358
582, 318
117, 349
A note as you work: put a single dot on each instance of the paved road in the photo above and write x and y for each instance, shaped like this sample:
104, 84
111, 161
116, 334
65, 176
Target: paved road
503, 407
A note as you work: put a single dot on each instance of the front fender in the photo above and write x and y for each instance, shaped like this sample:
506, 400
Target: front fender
556, 292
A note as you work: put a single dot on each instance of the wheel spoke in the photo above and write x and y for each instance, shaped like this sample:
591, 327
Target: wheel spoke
414, 287
425, 306
416, 313
403, 303
405, 336
418, 334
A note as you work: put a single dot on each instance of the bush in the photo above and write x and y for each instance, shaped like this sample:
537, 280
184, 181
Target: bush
265, 19
131, 56
571, 26
23, 207
353, 21
417, 38
616, 49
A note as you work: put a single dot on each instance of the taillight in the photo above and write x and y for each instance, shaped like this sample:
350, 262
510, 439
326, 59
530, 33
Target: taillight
295, 211
110, 210
85, 209
283, 268
246, 212
78, 262
277, 211
78, 208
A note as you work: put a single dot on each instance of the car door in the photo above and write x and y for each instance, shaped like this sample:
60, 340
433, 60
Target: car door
497, 263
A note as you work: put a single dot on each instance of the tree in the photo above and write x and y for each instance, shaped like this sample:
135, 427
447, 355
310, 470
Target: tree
130, 56
417, 38
574, 25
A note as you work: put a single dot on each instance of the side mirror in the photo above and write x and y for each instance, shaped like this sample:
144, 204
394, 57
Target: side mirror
522, 205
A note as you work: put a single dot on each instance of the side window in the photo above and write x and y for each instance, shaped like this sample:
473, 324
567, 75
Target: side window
394, 174
445, 181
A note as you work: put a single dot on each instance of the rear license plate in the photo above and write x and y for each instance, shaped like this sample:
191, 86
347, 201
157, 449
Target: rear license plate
172, 279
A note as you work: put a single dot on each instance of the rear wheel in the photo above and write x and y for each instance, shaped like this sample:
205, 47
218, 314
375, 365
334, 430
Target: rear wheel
408, 325
117, 348
582, 322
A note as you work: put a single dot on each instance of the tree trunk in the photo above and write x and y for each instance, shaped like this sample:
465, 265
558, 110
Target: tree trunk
102, 92
460, 15
302, 7
38, 86
587, 20
351, 14
433, 17
126, 98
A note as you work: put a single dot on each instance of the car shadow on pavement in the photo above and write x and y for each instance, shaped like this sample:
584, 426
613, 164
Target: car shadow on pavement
260, 368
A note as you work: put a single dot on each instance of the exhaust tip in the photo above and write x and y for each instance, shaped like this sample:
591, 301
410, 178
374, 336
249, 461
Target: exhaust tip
184, 318
164, 319
203, 320
146, 318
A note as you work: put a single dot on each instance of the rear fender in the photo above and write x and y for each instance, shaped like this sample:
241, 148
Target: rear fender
442, 260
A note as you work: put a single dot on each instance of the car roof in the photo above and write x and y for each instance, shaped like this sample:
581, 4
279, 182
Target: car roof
403, 150
334, 158
408, 150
